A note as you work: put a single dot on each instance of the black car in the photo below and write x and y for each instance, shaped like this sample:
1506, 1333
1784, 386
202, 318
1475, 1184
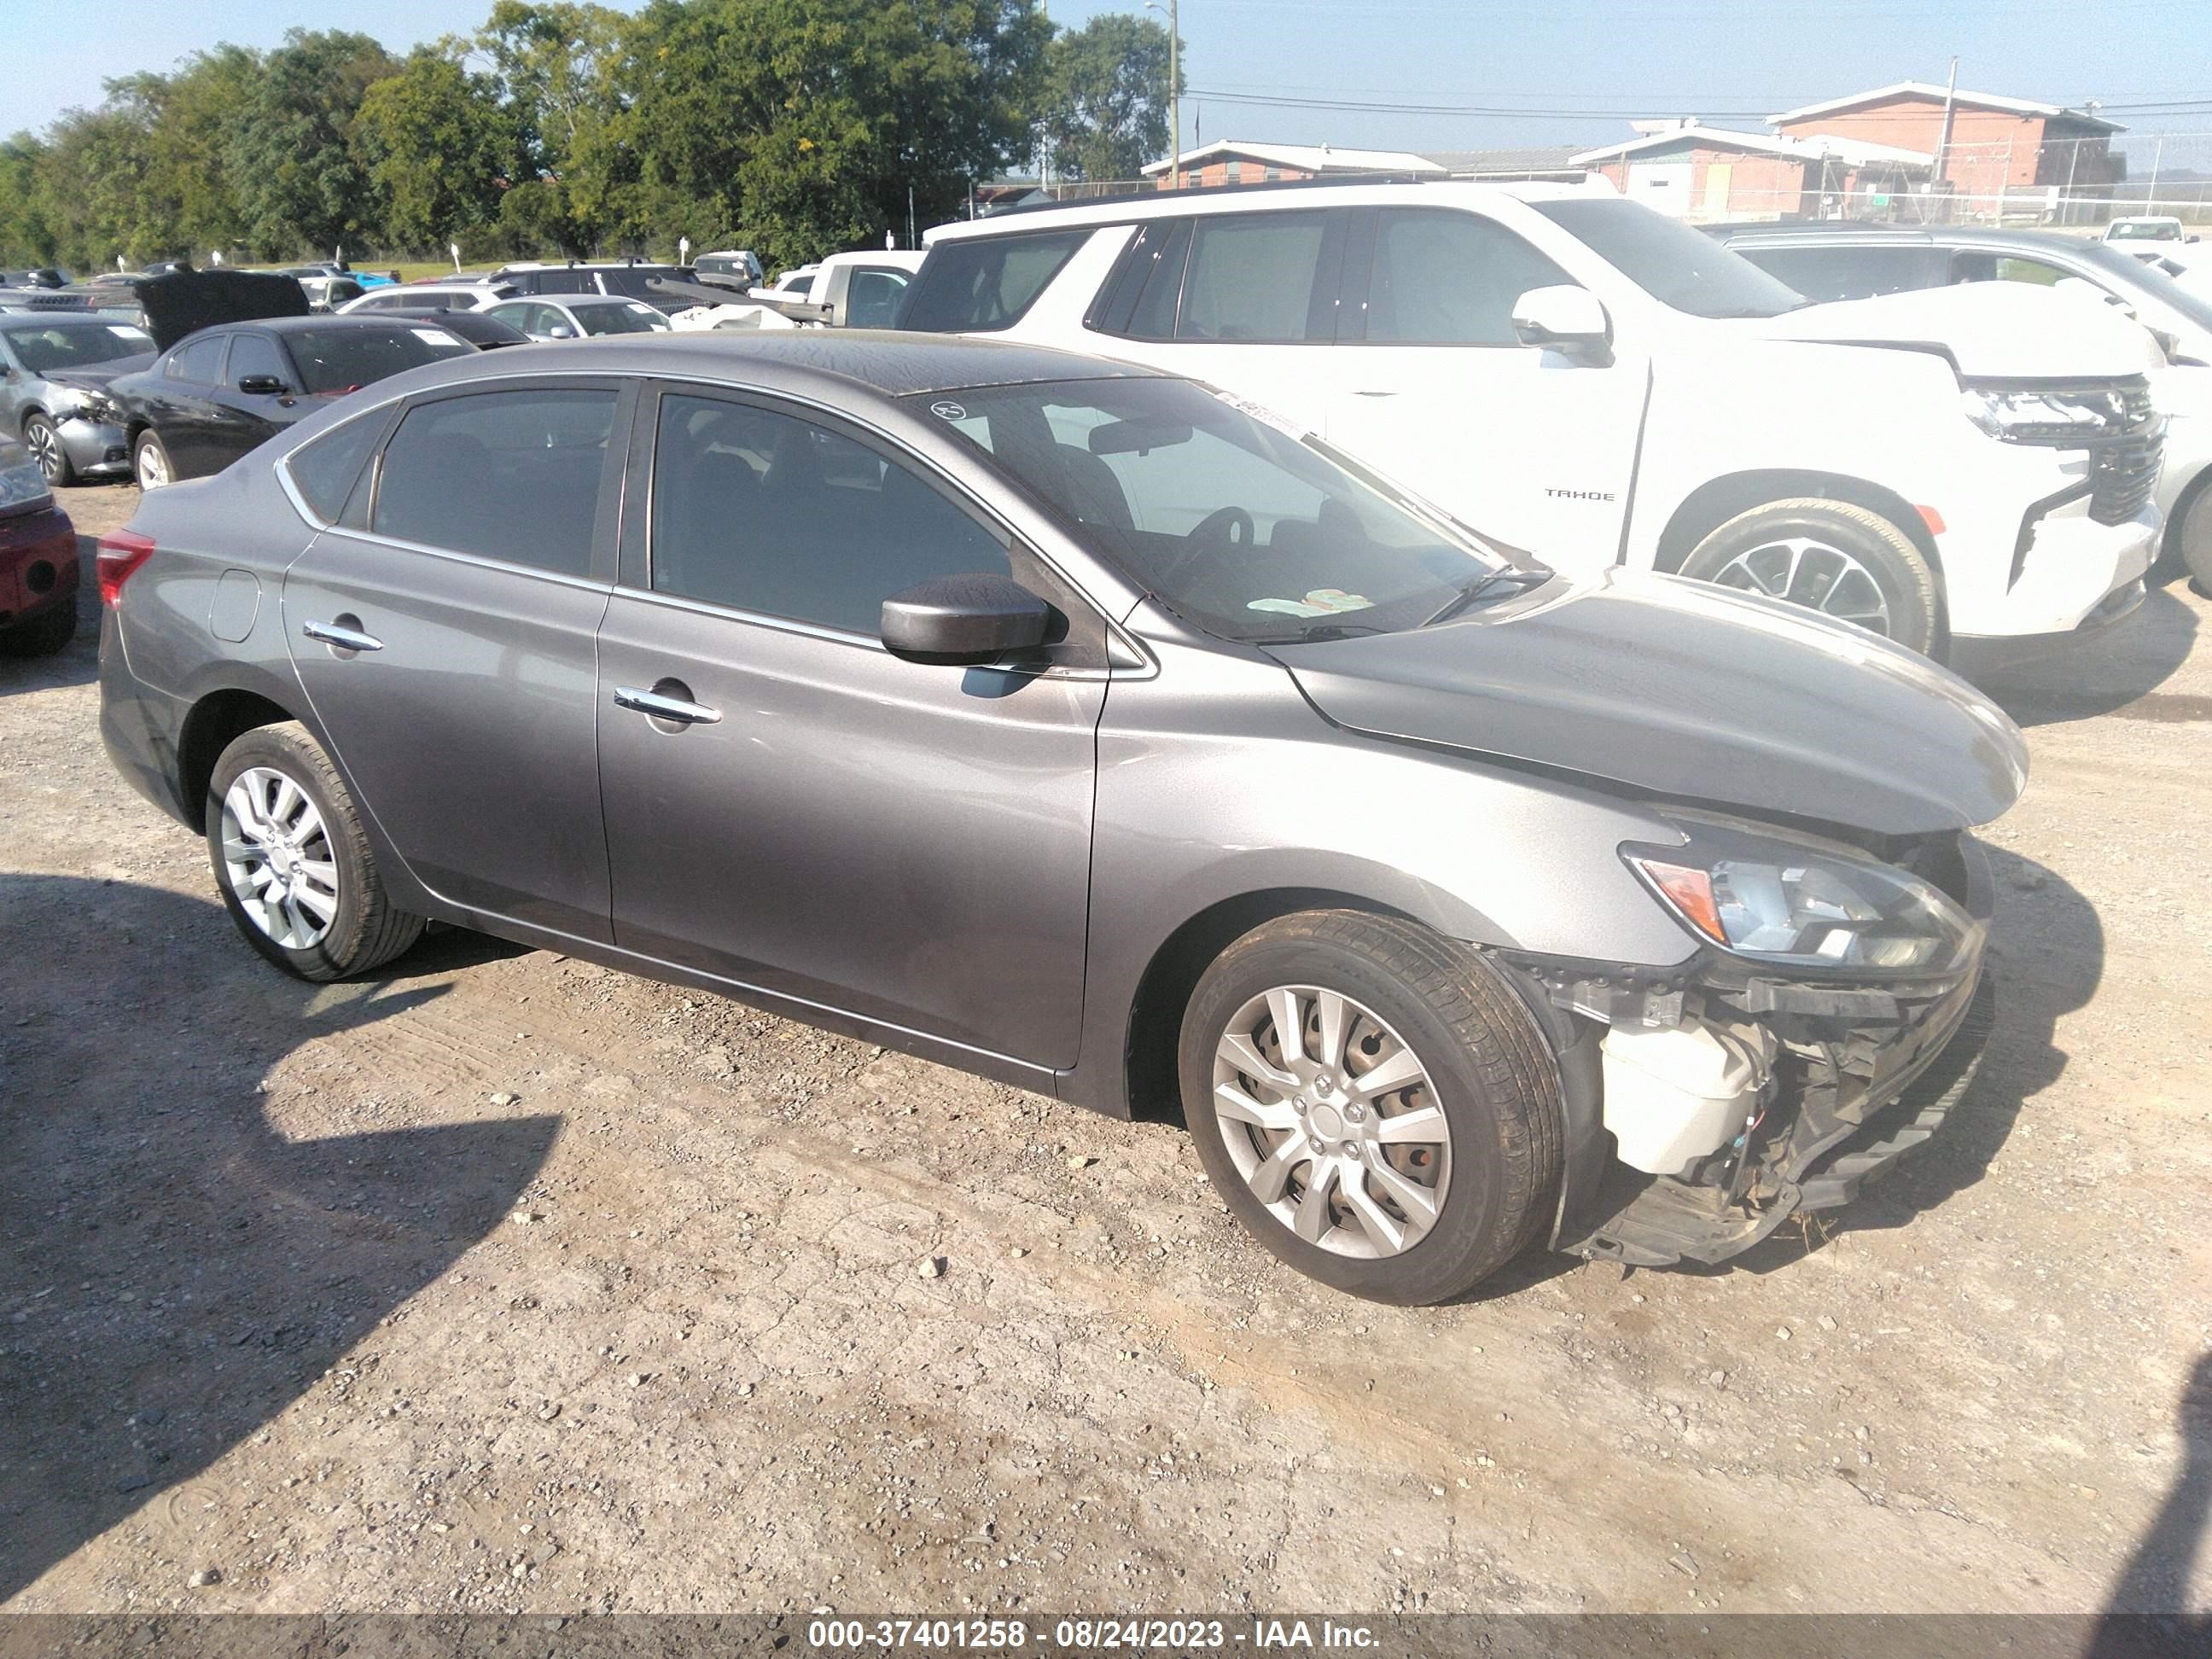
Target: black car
221, 389
631, 280
485, 333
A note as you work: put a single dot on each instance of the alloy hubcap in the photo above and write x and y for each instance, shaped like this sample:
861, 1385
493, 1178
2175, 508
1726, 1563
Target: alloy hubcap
46, 448
153, 469
276, 858
1811, 573
1332, 1120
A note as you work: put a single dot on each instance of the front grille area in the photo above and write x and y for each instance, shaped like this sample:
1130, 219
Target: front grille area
2124, 471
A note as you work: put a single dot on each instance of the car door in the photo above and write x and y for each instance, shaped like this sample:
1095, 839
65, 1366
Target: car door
180, 403
906, 842
238, 419
1429, 383
444, 630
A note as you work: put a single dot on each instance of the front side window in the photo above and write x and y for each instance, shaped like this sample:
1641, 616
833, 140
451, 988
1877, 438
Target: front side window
767, 513
257, 354
1250, 276
1680, 268
341, 359
977, 284
1446, 278
1217, 510
504, 475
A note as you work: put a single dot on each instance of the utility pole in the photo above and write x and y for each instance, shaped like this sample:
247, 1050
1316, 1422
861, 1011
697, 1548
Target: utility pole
1174, 90
2150, 196
1943, 143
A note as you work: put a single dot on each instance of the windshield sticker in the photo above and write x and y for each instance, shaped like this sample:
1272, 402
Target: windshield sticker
125, 331
1322, 602
946, 409
1266, 416
436, 336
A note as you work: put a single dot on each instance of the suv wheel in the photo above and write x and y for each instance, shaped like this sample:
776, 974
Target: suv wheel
295, 870
2193, 535
149, 462
1842, 560
1374, 1102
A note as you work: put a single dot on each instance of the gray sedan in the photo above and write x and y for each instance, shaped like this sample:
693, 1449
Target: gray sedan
53, 370
578, 316
1090, 730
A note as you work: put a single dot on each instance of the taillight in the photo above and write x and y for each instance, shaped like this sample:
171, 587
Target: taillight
121, 552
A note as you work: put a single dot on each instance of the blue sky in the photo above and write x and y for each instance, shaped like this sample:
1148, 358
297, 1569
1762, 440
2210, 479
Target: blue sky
1732, 60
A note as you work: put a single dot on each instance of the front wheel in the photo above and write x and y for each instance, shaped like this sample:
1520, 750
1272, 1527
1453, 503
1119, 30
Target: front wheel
1843, 561
46, 448
296, 870
2195, 536
149, 462
1373, 1103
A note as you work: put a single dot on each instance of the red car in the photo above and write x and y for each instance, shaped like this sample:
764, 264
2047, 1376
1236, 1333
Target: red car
37, 560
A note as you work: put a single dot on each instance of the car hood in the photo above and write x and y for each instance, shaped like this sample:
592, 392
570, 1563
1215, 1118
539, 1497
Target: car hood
91, 377
1682, 690
1988, 330
185, 300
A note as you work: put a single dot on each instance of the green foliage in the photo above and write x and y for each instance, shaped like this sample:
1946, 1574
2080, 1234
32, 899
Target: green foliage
1106, 111
796, 127
438, 144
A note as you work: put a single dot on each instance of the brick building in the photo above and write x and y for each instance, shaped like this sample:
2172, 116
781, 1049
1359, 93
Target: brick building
1233, 161
1997, 145
1715, 174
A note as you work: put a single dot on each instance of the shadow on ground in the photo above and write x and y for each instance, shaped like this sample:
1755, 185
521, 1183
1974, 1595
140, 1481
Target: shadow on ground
2118, 674
172, 1272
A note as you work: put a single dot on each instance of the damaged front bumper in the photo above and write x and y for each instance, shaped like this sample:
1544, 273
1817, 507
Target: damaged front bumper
1849, 1079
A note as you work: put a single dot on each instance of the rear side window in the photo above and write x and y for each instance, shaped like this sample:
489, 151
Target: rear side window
505, 475
1447, 278
1251, 276
324, 469
562, 282
979, 284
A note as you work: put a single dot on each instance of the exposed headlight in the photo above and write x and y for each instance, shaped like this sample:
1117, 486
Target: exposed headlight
1772, 901
2050, 415
92, 406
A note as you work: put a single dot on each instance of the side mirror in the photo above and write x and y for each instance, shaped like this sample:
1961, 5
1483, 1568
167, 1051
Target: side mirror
559, 331
261, 385
1565, 319
964, 620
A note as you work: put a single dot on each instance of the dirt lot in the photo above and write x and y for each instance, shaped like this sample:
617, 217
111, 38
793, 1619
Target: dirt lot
505, 1282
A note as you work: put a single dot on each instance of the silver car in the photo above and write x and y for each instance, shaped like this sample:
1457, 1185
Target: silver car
54, 369
1090, 730
578, 316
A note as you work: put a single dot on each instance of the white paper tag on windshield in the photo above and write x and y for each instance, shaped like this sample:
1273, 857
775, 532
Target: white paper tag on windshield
1266, 416
437, 337
125, 331
1322, 602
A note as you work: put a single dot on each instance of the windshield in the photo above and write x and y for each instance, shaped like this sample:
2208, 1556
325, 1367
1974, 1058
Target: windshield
40, 349
1218, 510
630, 318
1676, 265
340, 359
2126, 269
2145, 230
631, 280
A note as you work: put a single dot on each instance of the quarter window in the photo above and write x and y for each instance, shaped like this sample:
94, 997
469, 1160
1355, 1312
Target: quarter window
506, 475
1447, 278
767, 512
976, 285
324, 469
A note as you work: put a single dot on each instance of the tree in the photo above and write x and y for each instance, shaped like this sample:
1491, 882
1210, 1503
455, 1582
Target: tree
186, 200
438, 145
26, 236
800, 126
1107, 101
300, 182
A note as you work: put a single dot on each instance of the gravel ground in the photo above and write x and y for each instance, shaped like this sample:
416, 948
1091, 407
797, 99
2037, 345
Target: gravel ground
505, 1282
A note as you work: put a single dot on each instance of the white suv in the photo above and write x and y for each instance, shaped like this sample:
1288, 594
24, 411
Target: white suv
1576, 374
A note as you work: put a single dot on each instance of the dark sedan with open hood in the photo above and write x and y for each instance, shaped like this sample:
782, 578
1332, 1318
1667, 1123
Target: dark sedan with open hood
1088, 729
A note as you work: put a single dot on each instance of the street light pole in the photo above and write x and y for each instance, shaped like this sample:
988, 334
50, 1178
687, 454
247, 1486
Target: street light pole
1174, 90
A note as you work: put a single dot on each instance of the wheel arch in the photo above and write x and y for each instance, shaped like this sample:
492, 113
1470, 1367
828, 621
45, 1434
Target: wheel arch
216, 720
1714, 503
1164, 990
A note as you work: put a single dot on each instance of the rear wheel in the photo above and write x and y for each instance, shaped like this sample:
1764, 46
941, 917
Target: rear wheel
44, 444
1373, 1103
149, 462
295, 869
1843, 561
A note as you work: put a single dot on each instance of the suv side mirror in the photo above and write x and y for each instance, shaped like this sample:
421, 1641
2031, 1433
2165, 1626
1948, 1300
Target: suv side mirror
559, 331
1565, 319
261, 385
964, 620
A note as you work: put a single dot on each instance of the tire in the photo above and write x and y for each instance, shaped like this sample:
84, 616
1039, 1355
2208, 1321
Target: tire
1893, 592
362, 931
42, 635
150, 465
2193, 536
44, 444
1482, 1064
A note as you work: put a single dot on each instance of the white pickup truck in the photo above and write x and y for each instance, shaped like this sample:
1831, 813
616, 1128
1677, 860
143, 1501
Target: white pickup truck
1971, 475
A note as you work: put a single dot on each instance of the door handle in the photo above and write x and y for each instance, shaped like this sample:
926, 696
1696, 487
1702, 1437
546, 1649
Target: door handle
663, 707
345, 639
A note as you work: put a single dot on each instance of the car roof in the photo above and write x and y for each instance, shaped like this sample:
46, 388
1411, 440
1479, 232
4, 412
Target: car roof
892, 364
1094, 212
315, 321
1817, 230
575, 300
